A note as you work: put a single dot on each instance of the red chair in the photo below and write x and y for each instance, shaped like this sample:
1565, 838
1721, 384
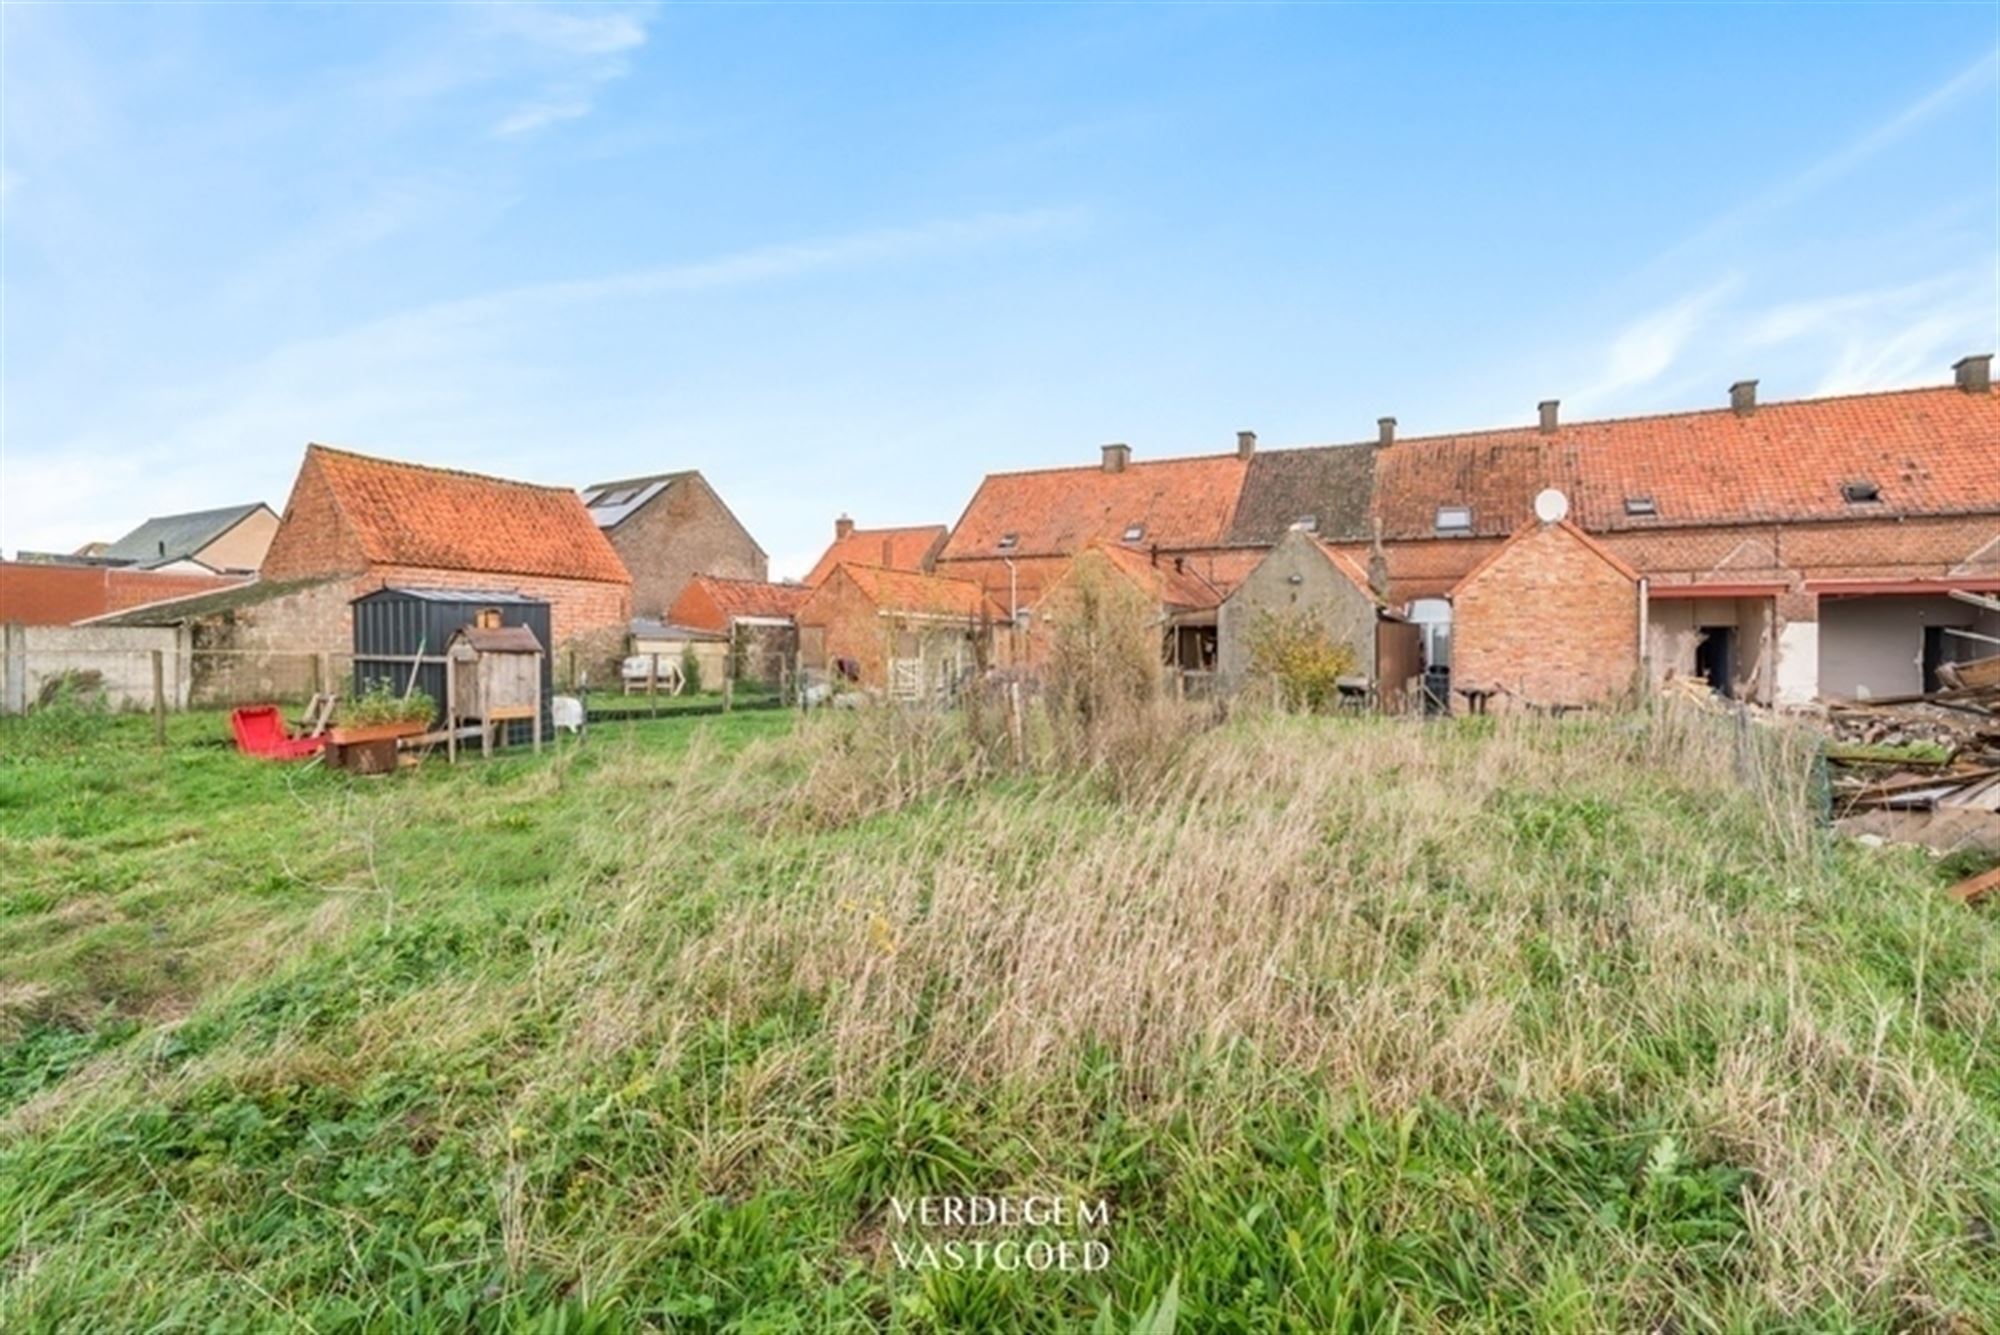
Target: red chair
260, 731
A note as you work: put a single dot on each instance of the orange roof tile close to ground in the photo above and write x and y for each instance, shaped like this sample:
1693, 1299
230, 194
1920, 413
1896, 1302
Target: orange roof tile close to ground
928, 595
410, 514
1181, 589
736, 599
887, 548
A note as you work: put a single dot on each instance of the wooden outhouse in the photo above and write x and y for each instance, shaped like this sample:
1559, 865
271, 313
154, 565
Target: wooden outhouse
493, 675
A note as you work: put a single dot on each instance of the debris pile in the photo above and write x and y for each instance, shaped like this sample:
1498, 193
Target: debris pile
1940, 750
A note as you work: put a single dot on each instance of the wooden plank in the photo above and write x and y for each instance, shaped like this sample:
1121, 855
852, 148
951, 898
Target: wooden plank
1974, 888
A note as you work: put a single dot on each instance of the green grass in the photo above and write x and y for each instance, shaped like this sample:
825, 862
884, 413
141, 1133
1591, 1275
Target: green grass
1356, 1025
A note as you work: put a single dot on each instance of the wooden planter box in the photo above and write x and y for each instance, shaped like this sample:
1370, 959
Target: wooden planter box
375, 732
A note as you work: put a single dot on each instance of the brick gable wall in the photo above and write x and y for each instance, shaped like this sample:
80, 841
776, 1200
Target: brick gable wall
683, 533
1548, 619
313, 537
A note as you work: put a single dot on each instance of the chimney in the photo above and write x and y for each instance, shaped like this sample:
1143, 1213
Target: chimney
1743, 397
1116, 457
1975, 374
1547, 408
1385, 428
1246, 444
843, 527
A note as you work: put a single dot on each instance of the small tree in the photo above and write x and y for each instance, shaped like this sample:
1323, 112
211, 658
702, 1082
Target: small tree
1296, 653
690, 670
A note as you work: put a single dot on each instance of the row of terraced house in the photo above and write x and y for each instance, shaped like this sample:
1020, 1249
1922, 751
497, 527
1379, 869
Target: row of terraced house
1784, 551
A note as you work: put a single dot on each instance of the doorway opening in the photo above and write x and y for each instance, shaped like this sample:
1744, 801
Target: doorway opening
1715, 659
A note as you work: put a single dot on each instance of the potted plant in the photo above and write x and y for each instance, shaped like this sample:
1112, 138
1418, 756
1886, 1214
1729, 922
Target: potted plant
379, 714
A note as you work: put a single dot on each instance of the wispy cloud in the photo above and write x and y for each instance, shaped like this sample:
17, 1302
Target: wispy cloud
1802, 185
467, 381
584, 50
1648, 347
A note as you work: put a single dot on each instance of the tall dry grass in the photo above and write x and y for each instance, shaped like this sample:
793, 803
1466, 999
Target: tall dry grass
1494, 919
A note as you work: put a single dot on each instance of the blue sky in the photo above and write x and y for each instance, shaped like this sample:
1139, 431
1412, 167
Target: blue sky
851, 258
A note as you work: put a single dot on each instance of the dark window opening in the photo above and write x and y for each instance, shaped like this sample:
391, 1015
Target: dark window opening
1860, 493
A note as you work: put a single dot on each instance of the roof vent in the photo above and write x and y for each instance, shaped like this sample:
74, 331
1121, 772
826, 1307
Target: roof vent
1246, 444
1860, 493
1743, 397
1547, 409
1974, 374
1134, 532
1385, 431
1116, 457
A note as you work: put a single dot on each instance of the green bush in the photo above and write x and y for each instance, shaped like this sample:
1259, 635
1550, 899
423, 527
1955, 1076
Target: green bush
1298, 654
691, 671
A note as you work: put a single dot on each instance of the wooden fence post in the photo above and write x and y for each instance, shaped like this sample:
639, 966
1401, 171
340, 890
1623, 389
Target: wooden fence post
160, 697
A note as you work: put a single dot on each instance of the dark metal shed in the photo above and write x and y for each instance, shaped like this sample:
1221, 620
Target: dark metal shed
395, 628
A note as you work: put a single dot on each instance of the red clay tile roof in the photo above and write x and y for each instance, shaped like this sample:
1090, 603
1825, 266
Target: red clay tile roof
1179, 590
1929, 451
1348, 566
888, 548
710, 602
412, 515
1181, 503
932, 595
46, 594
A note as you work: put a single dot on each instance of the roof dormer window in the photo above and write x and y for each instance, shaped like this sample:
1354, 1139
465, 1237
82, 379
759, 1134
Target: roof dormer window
1009, 541
1134, 532
1454, 519
1860, 493
1641, 506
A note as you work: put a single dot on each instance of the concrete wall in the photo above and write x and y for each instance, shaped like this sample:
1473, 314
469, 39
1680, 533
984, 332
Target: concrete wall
1874, 646
1674, 632
688, 531
1321, 590
118, 658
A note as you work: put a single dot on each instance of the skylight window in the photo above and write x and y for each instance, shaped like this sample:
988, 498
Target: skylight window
1008, 541
1307, 523
1134, 532
1860, 493
1641, 505
1454, 519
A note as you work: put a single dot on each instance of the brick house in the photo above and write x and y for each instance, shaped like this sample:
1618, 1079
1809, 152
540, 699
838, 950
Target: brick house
1789, 550
911, 635
362, 523
1180, 602
914, 547
1549, 618
668, 528
755, 619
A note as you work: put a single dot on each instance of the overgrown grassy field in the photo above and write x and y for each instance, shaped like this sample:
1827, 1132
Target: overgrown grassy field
1355, 1024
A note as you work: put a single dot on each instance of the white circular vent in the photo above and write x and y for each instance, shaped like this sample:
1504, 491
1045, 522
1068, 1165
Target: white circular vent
1551, 506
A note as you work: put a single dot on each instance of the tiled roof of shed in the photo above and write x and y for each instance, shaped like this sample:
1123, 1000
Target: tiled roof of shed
908, 591
413, 515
